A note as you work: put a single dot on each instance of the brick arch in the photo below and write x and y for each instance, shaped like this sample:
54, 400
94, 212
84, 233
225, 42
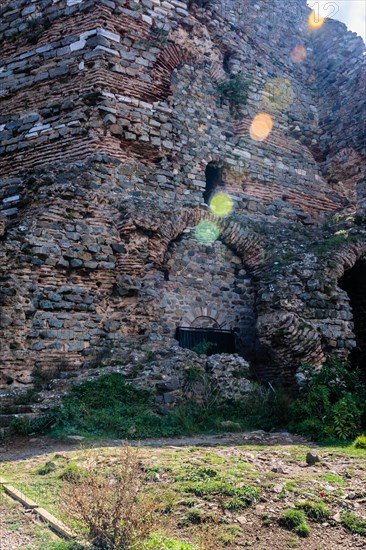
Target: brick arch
346, 257
244, 243
169, 59
203, 312
147, 230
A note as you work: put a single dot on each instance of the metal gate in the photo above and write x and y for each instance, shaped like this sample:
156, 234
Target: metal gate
207, 340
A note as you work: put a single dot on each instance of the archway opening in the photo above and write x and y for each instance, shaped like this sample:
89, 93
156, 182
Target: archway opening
214, 179
354, 283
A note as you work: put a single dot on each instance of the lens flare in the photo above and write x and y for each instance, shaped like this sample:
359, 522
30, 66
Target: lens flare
316, 20
298, 54
207, 232
278, 94
261, 126
221, 205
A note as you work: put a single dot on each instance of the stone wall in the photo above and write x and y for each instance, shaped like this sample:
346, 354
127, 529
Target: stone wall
208, 281
110, 113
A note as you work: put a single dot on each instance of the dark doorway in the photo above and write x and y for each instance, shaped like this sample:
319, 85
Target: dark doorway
213, 180
206, 340
354, 283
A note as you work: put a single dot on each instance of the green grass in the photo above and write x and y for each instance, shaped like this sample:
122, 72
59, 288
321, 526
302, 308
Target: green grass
353, 523
157, 541
316, 511
295, 520
334, 478
360, 442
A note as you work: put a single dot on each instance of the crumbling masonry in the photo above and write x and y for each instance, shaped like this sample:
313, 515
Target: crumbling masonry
111, 112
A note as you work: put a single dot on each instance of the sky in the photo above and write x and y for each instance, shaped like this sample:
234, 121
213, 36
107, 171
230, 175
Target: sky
350, 12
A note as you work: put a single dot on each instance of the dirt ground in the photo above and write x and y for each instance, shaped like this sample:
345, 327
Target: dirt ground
273, 463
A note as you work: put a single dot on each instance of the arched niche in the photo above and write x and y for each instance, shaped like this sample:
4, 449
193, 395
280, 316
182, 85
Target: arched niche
208, 288
353, 282
214, 180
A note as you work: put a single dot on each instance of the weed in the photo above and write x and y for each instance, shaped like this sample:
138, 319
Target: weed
20, 426
115, 510
72, 473
239, 502
47, 468
159, 541
193, 516
353, 523
204, 348
303, 530
196, 474
316, 511
235, 90
360, 442
295, 520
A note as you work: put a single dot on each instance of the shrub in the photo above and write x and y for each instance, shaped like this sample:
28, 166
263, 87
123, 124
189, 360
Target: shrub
47, 468
115, 511
204, 347
303, 530
347, 417
332, 403
235, 90
316, 511
360, 442
20, 426
291, 519
353, 523
72, 472
193, 516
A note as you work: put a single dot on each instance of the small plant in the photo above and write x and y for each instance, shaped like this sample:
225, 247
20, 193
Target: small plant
72, 473
360, 442
47, 468
204, 347
317, 511
115, 510
347, 417
303, 530
353, 523
156, 541
235, 90
20, 426
295, 520
193, 516
331, 402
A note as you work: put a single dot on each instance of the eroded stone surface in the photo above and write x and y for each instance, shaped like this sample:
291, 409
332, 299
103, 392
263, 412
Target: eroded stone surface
110, 114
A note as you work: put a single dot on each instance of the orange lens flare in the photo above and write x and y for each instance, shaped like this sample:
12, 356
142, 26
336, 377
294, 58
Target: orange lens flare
261, 126
298, 54
315, 20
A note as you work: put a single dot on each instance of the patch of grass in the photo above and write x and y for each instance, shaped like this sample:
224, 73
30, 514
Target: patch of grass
353, 523
196, 474
229, 535
220, 488
360, 442
334, 478
47, 468
317, 511
303, 530
290, 518
295, 520
193, 516
158, 541
72, 472
111, 407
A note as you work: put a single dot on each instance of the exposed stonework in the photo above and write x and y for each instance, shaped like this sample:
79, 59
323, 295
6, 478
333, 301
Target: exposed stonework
110, 114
